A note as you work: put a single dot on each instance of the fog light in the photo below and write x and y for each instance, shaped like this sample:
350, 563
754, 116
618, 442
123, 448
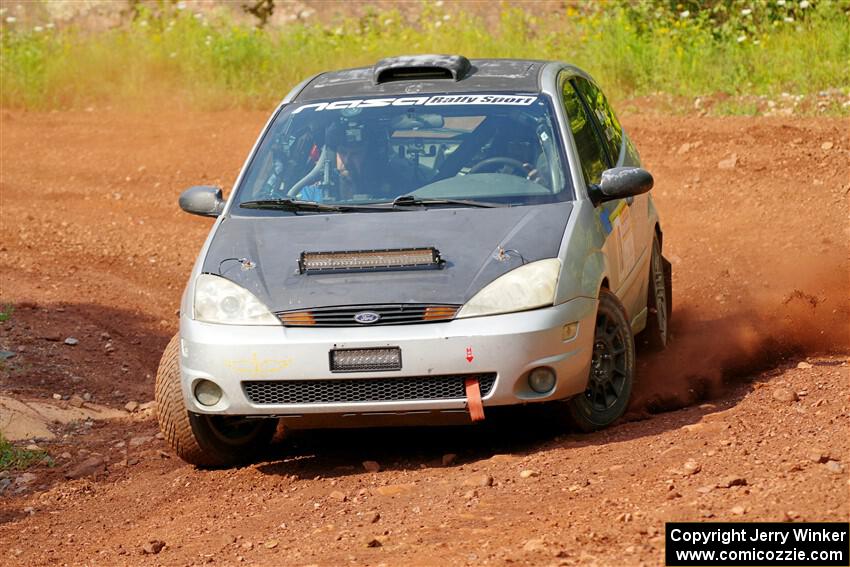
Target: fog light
541, 380
207, 393
568, 333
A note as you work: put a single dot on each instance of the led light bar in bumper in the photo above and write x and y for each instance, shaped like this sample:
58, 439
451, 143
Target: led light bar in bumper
365, 359
365, 260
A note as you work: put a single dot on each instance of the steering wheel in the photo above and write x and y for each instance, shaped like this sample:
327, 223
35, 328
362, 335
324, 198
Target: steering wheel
492, 164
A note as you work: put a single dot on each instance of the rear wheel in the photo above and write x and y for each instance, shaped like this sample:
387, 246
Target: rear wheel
658, 300
204, 440
612, 367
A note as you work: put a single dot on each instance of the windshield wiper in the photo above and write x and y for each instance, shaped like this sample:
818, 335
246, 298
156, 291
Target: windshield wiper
296, 205
412, 201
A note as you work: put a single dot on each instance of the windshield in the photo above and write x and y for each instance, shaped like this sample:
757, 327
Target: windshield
455, 150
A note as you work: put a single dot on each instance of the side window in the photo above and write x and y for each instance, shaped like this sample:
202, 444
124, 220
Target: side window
588, 143
609, 125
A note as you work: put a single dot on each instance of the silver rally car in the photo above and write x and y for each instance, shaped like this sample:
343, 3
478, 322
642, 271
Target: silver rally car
417, 242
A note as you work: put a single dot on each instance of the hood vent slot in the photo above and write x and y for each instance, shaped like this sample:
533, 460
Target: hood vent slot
421, 68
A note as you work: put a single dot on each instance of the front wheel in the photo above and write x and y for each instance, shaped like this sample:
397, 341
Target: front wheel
204, 440
612, 369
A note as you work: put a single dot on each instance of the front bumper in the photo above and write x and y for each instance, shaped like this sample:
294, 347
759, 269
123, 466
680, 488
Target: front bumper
508, 345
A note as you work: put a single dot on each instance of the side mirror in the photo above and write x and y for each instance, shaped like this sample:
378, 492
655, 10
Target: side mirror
620, 183
202, 200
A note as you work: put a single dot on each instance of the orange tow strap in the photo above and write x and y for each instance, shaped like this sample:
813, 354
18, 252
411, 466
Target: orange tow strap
473, 399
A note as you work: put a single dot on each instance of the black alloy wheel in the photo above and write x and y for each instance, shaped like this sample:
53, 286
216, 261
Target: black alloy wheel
608, 367
612, 369
234, 430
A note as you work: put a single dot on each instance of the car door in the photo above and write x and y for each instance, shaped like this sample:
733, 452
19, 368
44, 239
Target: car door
594, 160
630, 217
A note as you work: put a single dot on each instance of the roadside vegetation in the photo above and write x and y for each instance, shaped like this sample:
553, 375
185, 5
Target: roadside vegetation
685, 48
17, 458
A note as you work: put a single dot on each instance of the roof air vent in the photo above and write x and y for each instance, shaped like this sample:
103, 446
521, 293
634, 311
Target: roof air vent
421, 68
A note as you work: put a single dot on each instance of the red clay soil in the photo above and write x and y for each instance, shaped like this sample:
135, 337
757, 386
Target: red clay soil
754, 391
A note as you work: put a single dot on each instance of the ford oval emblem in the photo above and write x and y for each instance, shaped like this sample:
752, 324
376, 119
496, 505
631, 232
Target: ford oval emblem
366, 317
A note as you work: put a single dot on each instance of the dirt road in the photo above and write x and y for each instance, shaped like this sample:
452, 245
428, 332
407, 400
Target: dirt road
745, 417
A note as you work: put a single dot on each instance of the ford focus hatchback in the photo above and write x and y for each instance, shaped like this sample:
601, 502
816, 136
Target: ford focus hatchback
417, 242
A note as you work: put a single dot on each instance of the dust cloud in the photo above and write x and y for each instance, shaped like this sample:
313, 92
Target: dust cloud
707, 354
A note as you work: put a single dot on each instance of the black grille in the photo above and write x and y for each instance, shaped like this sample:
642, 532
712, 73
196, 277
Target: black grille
390, 314
364, 390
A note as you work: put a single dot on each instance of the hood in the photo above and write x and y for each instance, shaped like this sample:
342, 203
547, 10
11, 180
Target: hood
468, 239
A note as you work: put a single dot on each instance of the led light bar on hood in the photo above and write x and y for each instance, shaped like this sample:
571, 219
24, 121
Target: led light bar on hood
370, 260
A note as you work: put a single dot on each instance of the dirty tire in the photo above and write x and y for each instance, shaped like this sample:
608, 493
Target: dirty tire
612, 369
658, 300
198, 439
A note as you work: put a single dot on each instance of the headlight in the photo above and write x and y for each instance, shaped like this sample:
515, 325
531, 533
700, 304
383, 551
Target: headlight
218, 300
527, 287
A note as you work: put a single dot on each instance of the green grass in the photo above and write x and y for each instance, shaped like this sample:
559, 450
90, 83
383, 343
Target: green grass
735, 106
6, 312
631, 48
12, 457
